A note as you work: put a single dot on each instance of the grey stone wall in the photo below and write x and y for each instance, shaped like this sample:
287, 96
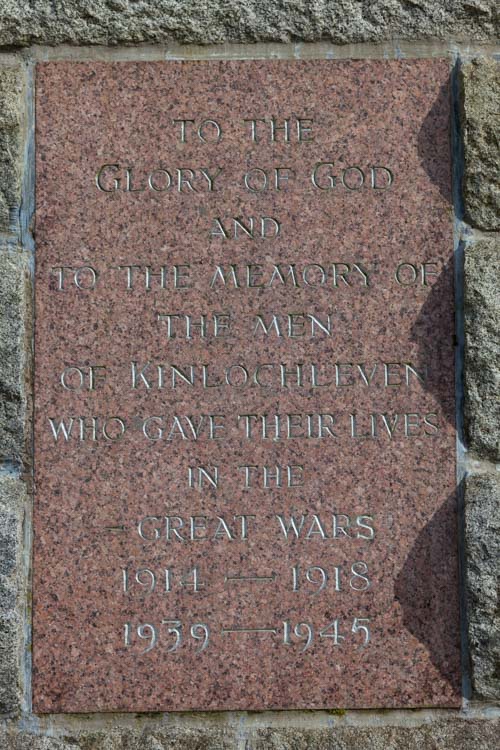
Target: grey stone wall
15, 388
482, 527
477, 208
12, 592
11, 131
198, 22
480, 128
455, 735
480, 125
482, 348
15, 295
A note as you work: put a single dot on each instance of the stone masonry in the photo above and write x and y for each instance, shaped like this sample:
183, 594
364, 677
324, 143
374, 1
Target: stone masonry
193, 22
124, 22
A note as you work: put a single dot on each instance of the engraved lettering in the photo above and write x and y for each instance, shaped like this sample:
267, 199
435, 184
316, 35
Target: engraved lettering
264, 227
84, 278
111, 178
293, 325
196, 528
208, 131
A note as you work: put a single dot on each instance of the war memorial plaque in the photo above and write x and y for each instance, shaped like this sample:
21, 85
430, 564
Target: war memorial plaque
244, 401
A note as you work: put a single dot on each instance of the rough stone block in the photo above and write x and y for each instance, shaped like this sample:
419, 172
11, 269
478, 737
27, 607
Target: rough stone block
12, 500
451, 735
482, 348
125, 739
480, 83
457, 734
482, 549
24, 741
15, 305
11, 143
194, 22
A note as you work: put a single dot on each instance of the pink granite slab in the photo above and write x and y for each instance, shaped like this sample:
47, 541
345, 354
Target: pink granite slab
93, 640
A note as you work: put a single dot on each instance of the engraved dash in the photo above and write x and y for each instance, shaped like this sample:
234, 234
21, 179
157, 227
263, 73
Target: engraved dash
249, 630
272, 577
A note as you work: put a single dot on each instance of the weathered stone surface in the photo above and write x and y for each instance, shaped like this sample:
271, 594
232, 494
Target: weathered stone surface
12, 498
25, 741
126, 739
482, 540
458, 734
15, 305
11, 140
191, 21
480, 81
482, 348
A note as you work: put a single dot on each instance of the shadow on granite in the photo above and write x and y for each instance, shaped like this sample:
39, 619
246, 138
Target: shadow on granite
431, 607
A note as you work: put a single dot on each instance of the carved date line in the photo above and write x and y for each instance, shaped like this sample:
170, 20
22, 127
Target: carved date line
313, 579
291, 633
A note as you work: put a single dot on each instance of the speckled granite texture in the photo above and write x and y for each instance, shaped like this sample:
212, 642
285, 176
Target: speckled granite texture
91, 495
